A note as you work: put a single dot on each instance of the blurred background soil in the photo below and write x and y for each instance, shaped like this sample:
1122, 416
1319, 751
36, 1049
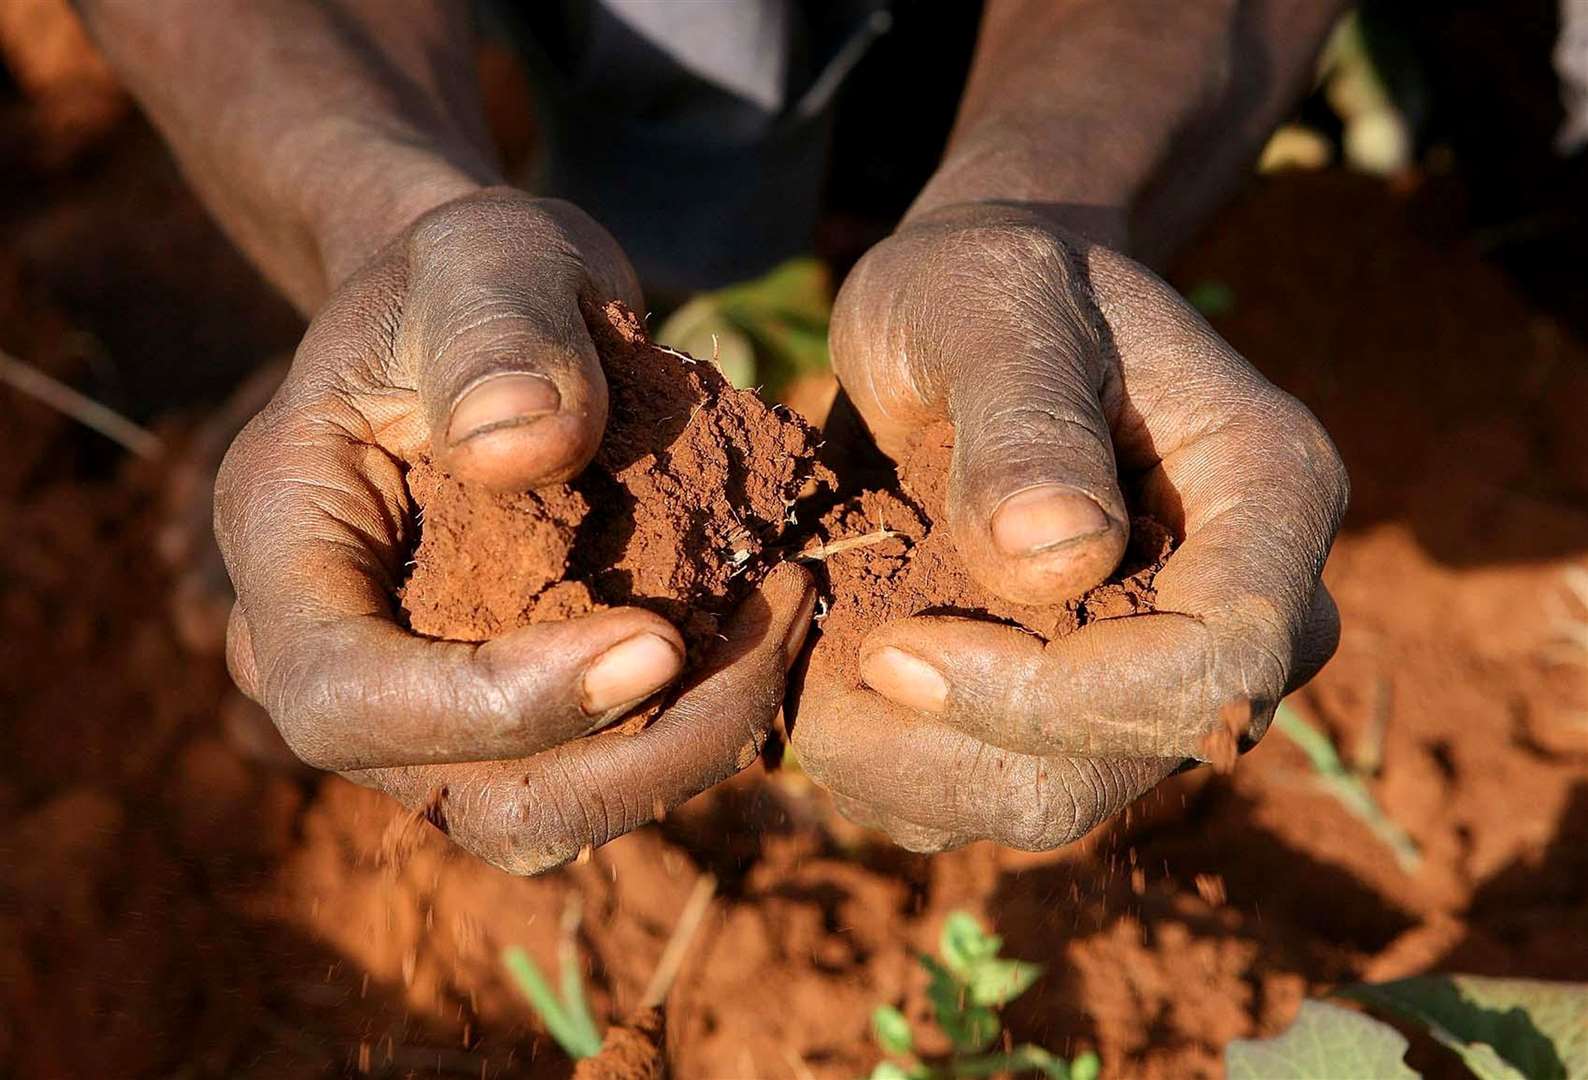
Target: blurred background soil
172, 905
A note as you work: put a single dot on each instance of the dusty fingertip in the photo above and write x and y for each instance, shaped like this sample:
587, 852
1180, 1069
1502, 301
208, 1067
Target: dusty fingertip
629, 671
524, 453
905, 679
508, 399
1048, 548
1043, 518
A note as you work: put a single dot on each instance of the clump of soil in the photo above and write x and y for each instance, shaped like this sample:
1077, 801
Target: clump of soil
918, 570
691, 488
633, 1050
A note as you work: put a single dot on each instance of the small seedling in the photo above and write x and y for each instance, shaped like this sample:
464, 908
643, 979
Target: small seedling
1346, 785
969, 983
565, 1011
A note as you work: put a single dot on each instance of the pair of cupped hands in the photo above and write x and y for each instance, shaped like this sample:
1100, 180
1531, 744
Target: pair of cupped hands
1068, 370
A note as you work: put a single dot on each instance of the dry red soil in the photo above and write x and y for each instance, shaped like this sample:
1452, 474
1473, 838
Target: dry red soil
168, 903
681, 511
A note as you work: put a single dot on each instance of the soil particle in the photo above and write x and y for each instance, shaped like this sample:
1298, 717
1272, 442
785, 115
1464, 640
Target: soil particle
918, 570
692, 485
633, 1050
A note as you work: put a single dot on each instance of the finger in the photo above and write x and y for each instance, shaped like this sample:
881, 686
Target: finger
240, 662
314, 539
1034, 503
930, 786
1002, 686
506, 369
1034, 499
906, 834
531, 815
1319, 640
1256, 488
1260, 495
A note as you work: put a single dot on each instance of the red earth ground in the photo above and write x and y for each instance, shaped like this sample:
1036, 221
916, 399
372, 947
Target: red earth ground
168, 906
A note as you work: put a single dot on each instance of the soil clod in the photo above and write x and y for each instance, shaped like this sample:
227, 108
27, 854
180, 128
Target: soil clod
679, 513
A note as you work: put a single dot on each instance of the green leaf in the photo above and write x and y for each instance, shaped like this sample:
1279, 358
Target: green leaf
998, 982
573, 1002
575, 1034
1325, 1041
892, 1029
889, 1070
973, 1030
1503, 1029
703, 330
964, 944
767, 331
947, 994
1087, 1066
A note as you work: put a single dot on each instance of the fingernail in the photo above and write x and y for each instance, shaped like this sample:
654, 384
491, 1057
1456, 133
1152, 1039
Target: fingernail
629, 671
1030, 522
907, 679
501, 401
800, 630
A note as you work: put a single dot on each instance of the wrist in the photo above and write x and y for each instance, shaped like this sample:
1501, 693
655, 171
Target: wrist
376, 188
1101, 223
1006, 177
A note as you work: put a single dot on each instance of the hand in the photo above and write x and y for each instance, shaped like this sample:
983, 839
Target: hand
464, 339
1067, 368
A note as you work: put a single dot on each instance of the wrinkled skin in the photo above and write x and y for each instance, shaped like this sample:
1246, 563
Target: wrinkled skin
314, 520
1058, 362
1065, 363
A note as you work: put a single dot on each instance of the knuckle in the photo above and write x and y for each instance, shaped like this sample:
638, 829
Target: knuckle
498, 218
234, 491
921, 841
1309, 445
297, 692
1049, 818
494, 819
1023, 246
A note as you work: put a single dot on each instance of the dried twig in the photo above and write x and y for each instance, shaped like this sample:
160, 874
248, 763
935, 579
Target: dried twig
678, 944
822, 552
85, 410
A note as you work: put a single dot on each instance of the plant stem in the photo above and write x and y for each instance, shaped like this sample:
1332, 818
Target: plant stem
85, 410
826, 551
678, 944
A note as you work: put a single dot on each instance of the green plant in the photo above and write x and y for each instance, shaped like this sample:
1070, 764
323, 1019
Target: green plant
1346, 785
1501, 1029
969, 983
765, 332
565, 1012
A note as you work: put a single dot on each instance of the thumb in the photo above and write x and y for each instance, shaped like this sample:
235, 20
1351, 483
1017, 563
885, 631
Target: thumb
509, 378
975, 315
1034, 503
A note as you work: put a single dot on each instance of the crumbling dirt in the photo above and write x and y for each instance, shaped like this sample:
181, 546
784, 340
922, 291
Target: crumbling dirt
917, 569
168, 904
633, 1050
692, 487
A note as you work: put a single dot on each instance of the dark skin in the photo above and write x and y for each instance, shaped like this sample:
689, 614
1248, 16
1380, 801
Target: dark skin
341, 144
